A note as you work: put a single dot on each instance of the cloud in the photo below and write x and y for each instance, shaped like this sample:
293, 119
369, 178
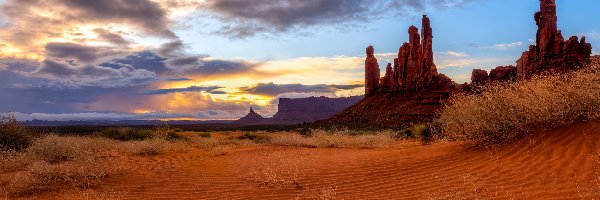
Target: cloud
507, 46
272, 89
450, 59
102, 116
65, 74
455, 54
592, 35
33, 23
248, 18
144, 13
83, 53
111, 37
207, 89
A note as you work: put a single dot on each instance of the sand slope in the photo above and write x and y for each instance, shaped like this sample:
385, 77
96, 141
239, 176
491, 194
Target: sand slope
559, 164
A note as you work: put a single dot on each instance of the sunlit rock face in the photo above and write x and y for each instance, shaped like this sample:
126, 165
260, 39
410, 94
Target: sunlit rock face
551, 51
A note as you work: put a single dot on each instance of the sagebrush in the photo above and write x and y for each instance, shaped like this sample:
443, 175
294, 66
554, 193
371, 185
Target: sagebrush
505, 111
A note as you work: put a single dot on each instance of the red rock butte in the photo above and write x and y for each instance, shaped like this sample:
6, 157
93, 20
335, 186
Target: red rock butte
413, 70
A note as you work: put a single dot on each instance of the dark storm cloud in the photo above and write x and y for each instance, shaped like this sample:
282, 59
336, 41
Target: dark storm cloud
272, 89
223, 67
63, 74
111, 37
83, 53
173, 48
177, 60
207, 89
248, 18
148, 14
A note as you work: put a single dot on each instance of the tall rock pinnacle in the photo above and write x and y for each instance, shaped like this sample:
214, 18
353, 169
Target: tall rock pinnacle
372, 73
413, 69
551, 51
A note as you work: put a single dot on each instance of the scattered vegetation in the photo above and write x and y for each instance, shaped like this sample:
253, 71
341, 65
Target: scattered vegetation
333, 139
506, 111
54, 161
13, 135
132, 134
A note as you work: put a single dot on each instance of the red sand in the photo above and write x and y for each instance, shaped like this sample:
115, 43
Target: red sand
559, 164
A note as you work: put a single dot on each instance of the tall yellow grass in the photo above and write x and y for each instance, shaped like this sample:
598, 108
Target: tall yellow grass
506, 111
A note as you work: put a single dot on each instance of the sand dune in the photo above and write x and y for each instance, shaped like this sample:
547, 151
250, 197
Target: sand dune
559, 164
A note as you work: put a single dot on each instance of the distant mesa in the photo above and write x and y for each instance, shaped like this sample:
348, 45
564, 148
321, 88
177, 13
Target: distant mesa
301, 110
413, 91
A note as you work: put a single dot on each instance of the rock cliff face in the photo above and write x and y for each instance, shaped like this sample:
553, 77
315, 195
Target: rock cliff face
300, 110
551, 51
310, 109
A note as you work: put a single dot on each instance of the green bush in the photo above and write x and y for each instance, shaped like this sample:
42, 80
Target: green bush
13, 134
421, 131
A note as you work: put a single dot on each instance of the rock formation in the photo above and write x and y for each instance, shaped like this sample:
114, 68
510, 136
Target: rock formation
503, 73
388, 79
414, 69
252, 118
479, 77
301, 110
551, 51
418, 90
371, 71
410, 91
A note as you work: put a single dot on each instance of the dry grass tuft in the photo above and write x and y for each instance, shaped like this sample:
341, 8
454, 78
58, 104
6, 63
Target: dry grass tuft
53, 162
321, 138
503, 112
153, 147
281, 169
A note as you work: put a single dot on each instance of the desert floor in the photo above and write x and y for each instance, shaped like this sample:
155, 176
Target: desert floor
559, 164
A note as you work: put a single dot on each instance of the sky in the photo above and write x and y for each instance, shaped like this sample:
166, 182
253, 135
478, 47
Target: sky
213, 59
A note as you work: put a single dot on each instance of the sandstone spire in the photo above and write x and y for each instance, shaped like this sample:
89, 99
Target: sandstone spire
551, 51
388, 79
372, 73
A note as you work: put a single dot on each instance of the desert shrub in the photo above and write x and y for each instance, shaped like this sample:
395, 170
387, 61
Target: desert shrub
172, 135
152, 147
56, 161
177, 130
505, 111
126, 134
204, 134
420, 131
257, 138
13, 134
304, 132
334, 139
